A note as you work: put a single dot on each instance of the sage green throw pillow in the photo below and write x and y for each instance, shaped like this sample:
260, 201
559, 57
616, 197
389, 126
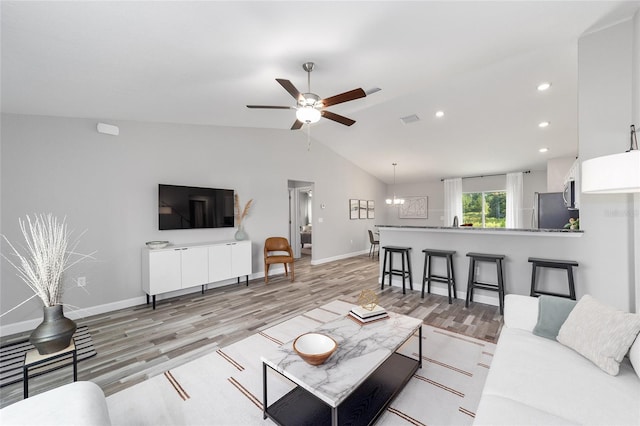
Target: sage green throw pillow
552, 313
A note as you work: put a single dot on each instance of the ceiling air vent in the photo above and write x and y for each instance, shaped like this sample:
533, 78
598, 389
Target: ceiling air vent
409, 119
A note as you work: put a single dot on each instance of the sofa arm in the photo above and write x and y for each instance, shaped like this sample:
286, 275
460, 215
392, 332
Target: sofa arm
520, 311
77, 403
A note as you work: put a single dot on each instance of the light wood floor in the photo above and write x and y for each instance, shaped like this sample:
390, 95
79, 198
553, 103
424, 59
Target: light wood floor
136, 343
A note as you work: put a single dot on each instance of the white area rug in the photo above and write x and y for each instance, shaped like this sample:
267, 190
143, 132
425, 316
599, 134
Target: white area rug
225, 387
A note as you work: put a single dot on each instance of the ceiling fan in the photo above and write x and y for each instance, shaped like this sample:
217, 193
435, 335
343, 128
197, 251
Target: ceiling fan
309, 107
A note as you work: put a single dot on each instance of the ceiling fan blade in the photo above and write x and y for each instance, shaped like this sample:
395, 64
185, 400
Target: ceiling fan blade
338, 118
297, 125
344, 97
289, 87
270, 107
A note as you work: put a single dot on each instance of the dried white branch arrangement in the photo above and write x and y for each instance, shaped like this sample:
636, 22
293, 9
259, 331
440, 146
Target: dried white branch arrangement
48, 254
241, 214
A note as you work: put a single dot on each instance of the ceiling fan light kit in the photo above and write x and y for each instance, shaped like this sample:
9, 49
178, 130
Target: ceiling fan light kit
310, 107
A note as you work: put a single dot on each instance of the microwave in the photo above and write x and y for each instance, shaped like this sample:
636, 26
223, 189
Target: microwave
569, 194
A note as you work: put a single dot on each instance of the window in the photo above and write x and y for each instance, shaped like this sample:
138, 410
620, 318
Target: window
485, 209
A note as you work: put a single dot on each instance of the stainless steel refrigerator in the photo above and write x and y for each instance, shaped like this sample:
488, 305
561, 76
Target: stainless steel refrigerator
551, 212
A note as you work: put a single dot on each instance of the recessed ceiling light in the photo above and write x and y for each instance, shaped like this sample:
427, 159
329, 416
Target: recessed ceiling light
543, 124
440, 114
544, 86
543, 150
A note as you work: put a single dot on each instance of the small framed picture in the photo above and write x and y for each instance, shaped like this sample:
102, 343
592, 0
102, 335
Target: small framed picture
371, 209
363, 209
354, 209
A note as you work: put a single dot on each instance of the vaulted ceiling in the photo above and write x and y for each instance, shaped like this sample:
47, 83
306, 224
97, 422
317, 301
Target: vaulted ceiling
203, 62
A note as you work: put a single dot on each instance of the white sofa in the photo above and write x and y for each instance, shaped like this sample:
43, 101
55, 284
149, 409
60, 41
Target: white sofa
538, 381
77, 403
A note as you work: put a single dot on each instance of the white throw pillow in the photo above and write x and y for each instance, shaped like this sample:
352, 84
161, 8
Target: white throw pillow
600, 333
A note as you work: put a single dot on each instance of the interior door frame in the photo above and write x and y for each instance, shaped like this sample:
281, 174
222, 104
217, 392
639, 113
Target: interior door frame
295, 187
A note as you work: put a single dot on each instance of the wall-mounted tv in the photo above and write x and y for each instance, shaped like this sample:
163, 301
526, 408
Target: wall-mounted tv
188, 207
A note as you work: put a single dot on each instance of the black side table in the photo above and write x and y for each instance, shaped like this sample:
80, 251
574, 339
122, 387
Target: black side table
33, 359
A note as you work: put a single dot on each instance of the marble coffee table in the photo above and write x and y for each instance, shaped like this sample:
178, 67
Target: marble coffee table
355, 384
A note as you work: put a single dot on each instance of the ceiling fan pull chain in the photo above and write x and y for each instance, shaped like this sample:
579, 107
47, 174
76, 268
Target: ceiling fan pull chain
308, 137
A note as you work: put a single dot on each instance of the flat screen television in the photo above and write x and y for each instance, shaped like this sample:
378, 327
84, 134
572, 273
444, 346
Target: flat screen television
189, 207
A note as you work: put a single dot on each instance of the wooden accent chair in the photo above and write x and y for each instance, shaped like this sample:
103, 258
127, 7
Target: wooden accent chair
274, 252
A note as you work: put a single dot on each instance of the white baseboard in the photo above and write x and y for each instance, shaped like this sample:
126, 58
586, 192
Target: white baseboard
339, 257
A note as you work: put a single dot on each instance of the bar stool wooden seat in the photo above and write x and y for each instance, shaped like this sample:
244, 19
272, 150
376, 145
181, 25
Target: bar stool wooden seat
428, 276
404, 272
472, 283
537, 262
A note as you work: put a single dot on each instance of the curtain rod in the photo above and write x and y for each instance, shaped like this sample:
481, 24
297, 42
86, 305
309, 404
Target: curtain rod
481, 176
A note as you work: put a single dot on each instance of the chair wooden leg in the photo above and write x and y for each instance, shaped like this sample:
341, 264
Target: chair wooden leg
286, 271
266, 273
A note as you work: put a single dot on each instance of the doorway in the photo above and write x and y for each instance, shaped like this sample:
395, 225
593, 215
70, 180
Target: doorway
301, 218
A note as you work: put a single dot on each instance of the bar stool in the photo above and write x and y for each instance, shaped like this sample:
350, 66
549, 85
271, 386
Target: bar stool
472, 283
428, 275
551, 263
404, 253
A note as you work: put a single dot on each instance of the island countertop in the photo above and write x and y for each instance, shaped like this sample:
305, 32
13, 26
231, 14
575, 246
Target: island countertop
493, 231
517, 245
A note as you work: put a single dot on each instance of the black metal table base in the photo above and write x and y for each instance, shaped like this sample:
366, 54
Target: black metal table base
363, 407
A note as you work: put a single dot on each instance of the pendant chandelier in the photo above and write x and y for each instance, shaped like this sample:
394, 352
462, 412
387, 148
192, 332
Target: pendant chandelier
394, 201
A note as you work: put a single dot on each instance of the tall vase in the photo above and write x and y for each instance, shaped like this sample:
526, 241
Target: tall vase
240, 234
54, 332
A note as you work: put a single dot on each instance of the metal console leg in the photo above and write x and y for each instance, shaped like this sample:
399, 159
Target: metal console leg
264, 391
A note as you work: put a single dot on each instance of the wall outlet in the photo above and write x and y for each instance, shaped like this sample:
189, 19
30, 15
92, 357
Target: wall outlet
82, 281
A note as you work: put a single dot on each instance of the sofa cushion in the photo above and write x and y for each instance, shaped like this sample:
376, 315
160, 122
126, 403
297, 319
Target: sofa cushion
520, 311
554, 379
497, 411
600, 333
552, 313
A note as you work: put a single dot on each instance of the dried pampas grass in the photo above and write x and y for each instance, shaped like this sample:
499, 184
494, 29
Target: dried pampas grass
48, 254
241, 213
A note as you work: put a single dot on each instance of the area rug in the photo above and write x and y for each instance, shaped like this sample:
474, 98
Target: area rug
225, 387
12, 357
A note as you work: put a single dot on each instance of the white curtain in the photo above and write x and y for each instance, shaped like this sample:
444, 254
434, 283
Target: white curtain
452, 200
515, 200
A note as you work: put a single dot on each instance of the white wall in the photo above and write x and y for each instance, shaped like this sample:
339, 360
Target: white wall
108, 186
557, 169
605, 87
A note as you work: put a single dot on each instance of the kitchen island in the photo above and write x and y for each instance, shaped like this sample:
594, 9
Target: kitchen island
516, 244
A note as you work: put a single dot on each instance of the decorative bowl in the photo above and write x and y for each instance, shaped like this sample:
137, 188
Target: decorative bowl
314, 348
157, 244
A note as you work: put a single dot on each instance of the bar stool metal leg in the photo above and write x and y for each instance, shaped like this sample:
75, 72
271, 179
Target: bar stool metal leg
409, 269
500, 286
449, 283
472, 265
424, 274
384, 269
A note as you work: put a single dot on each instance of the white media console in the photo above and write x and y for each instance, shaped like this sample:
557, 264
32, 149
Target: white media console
178, 267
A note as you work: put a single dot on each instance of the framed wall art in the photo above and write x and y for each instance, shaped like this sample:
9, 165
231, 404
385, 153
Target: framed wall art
354, 209
363, 209
414, 208
371, 209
